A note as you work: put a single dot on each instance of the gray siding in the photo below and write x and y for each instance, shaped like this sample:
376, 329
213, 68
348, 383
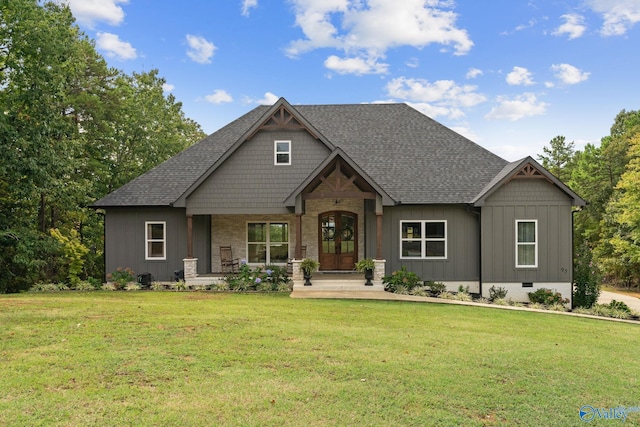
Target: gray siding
125, 241
523, 199
249, 182
462, 263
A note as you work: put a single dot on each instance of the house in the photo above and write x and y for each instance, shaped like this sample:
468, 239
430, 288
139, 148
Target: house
347, 182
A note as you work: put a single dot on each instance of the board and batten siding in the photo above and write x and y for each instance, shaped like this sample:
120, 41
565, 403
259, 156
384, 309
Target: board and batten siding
125, 241
462, 262
527, 199
249, 181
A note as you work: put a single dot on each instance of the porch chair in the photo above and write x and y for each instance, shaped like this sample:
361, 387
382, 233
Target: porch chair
303, 255
228, 263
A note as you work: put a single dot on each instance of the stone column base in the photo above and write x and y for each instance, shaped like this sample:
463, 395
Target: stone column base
190, 268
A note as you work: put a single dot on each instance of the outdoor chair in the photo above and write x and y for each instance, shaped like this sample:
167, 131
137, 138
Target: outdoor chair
228, 263
303, 255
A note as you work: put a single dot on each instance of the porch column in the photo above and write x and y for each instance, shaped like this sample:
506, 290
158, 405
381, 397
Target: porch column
379, 210
298, 253
189, 236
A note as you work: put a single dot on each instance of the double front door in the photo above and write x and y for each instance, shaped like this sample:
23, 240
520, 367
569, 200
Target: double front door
338, 231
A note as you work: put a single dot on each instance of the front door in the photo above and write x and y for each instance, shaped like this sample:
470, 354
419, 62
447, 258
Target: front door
338, 240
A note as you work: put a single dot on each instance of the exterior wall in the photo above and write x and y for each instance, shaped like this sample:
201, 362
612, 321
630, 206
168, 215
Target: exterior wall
232, 230
249, 182
125, 240
523, 199
462, 262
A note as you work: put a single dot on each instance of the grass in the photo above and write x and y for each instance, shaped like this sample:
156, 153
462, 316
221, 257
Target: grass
194, 358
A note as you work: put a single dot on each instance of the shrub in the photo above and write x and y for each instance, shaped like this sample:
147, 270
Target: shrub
420, 291
446, 295
619, 305
268, 278
84, 286
463, 289
132, 287
462, 296
547, 297
497, 293
402, 277
437, 288
121, 277
157, 286
180, 285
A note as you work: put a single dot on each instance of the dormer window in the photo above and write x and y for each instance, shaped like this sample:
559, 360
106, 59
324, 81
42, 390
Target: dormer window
282, 152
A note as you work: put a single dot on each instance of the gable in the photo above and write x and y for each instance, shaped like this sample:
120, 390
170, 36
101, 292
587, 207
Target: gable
248, 181
525, 171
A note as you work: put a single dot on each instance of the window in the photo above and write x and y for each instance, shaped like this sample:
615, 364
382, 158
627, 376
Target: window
423, 239
267, 242
155, 236
282, 152
526, 243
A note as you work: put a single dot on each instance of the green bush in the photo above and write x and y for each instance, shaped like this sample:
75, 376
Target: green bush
436, 288
121, 277
267, 279
547, 297
497, 293
619, 305
402, 277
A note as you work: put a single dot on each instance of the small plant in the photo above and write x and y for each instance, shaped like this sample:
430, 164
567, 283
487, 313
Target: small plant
497, 293
463, 289
365, 264
446, 295
84, 286
462, 296
109, 286
500, 301
180, 285
157, 286
437, 288
309, 266
547, 297
482, 300
420, 291
121, 277
619, 305
401, 277
132, 287
220, 286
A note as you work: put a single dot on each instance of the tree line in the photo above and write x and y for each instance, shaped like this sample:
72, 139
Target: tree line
72, 129
607, 230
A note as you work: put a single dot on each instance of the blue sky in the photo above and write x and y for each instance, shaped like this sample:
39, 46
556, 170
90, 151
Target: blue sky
509, 75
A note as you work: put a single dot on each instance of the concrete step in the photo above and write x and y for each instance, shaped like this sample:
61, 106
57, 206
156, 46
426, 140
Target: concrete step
337, 285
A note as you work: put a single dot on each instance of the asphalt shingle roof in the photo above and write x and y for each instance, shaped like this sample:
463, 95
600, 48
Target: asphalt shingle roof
415, 159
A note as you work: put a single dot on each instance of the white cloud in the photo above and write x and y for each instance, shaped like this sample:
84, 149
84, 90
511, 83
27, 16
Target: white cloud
573, 26
368, 28
569, 74
168, 87
200, 50
521, 106
441, 98
89, 12
357, 66
473, 73
619, 15
269, 99
114, 47
519, 76
247, 5
219, 96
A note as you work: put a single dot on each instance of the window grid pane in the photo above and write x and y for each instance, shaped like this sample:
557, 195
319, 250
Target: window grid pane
423, 239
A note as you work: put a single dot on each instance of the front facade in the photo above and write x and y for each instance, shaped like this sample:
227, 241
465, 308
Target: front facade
346, 182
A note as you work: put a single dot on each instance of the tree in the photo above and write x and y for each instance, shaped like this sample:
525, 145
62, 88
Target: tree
71, 129
558, 158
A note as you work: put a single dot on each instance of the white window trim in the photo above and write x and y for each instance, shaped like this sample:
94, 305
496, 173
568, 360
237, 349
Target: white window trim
148, 239
423, 240
275, 152
267, 243
534, 244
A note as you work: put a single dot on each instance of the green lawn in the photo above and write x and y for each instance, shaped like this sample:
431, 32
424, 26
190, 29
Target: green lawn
207, 359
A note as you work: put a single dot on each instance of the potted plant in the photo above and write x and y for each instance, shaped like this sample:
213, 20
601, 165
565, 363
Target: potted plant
308, 266
366, 266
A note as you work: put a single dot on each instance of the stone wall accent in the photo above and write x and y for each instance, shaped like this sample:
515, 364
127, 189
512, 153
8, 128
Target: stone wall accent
190, 268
